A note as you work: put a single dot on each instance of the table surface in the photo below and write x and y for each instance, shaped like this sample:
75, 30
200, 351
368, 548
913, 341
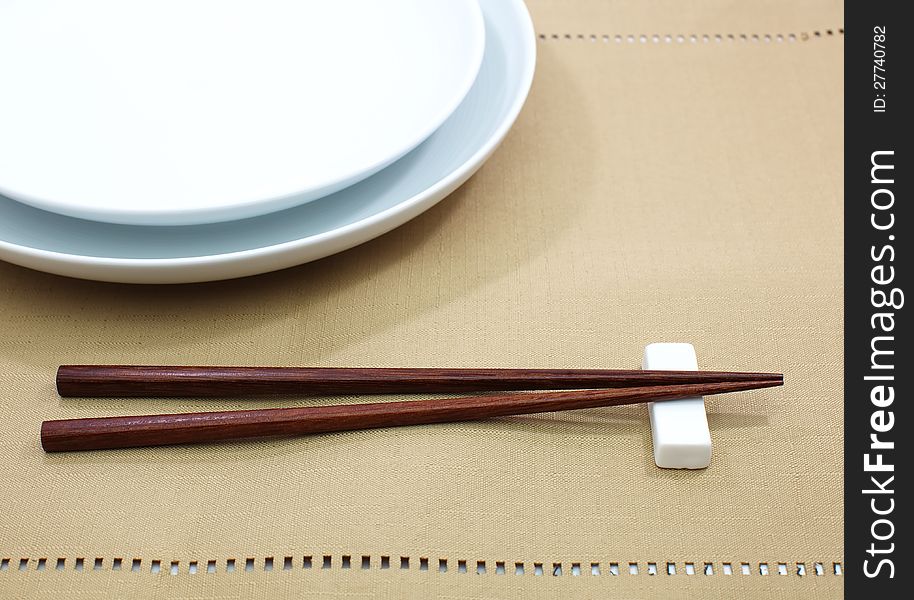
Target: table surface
676, 175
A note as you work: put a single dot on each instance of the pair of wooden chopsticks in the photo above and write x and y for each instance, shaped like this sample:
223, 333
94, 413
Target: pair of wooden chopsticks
581, 389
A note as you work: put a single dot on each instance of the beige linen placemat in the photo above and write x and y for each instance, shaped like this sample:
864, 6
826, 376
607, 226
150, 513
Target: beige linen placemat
650, 191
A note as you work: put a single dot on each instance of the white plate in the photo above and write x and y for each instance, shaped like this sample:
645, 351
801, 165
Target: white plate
175, 112
121, 253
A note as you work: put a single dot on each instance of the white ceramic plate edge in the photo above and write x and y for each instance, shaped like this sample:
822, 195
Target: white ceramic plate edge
288, 254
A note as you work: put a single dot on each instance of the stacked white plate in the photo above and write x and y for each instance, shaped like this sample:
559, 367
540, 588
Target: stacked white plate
170, 141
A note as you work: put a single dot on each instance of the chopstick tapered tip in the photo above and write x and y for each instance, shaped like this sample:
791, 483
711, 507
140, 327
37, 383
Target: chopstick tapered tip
766, 379
777, 378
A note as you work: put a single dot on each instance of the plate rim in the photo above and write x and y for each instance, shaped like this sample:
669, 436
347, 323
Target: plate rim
181, 269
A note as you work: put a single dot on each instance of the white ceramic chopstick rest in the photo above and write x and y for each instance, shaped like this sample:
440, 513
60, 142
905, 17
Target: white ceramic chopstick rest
679, 428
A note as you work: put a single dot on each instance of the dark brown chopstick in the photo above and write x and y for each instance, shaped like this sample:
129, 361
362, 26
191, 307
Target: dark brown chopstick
192, 428
164, 381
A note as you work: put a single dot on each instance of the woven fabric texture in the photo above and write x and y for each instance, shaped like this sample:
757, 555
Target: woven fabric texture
652, 190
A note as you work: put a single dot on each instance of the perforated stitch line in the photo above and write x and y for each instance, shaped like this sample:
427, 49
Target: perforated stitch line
694, 38
364, 562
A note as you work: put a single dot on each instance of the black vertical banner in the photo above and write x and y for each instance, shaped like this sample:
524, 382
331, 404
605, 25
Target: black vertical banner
879, 372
